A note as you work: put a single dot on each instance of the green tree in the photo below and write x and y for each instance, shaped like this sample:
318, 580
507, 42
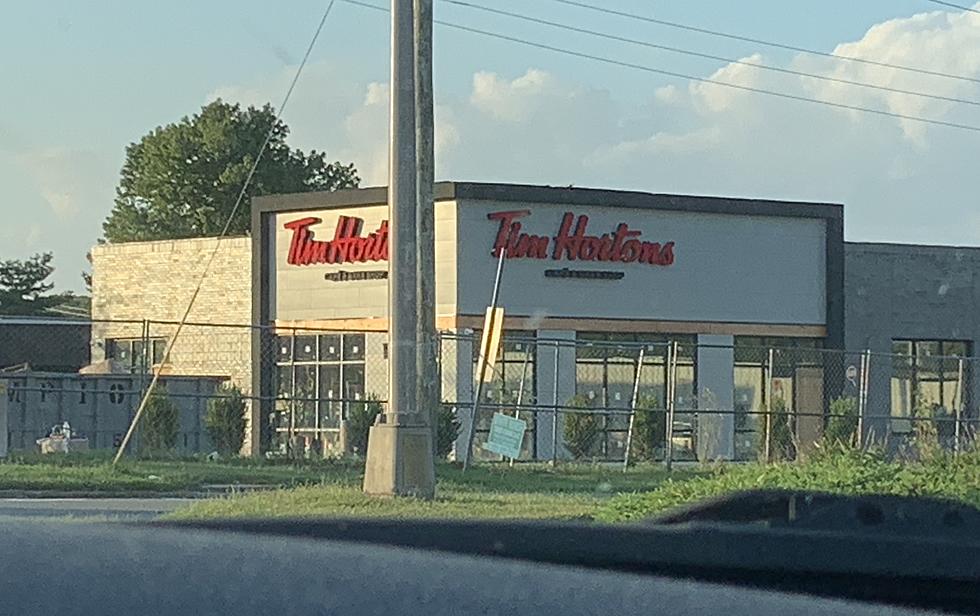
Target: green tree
23, 286
182, 180
649, 429
360, 418
447, 429
582, 429
843, 421
225, 420
160, 425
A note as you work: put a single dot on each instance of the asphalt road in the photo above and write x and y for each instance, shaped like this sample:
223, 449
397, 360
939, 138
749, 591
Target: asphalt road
127, 509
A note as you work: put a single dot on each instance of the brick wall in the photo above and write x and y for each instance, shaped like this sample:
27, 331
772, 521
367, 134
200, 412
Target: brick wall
155, 280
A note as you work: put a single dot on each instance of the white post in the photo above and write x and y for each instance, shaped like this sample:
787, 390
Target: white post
767, 450
671, 382
636, 393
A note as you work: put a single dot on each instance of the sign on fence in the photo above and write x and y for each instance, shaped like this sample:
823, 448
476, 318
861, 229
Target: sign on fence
506, 435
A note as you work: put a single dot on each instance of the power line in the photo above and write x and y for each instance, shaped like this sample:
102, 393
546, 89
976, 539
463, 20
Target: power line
658, 71
746, 39
234, 210
698, 54
954, 6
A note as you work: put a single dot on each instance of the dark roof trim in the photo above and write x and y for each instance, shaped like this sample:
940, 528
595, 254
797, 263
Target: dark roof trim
528, 193
898, 246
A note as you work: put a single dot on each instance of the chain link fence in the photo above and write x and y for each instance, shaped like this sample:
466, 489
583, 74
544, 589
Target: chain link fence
606, 397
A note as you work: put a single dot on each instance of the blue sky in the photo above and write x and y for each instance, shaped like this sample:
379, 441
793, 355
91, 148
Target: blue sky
82, 79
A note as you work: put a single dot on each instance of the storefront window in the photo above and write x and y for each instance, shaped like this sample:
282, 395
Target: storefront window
797, 389
318, 378
605, 373
927, 381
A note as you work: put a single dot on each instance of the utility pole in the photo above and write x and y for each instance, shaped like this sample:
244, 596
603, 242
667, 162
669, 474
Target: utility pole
429, 387
399, 454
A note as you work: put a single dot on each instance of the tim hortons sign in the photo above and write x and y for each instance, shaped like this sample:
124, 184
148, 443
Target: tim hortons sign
347, 245
571, 243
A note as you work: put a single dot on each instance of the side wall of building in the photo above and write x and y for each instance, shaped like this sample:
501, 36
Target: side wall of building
155, 280
908, 292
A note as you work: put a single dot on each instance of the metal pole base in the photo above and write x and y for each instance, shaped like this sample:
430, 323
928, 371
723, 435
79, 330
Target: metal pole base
399, 457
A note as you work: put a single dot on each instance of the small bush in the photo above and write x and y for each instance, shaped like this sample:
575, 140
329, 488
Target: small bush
649, 429
843, 421
225, 420
447, 430
582, 430
360, 418
160, 424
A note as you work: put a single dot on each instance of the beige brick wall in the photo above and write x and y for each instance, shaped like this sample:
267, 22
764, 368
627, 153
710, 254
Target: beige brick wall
155, 281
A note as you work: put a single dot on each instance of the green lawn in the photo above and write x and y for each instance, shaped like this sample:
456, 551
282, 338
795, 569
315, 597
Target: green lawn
841, 472
570, 491
93, 473
490, 491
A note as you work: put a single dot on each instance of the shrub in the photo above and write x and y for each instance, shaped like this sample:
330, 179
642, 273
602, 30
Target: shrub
360, 418
225, 420
843, 421
447, 429
838, 470
649, 429
582, 430
782, 445
160, 424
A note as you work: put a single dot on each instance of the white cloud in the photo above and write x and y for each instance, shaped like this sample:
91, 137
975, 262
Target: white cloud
900, 180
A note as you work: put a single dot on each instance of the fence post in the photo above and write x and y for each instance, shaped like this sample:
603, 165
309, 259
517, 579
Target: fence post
554, 419
958, 418
636, 391
767, 446
671, 383
863, 395
520, 390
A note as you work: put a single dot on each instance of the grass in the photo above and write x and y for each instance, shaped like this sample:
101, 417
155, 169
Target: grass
93, 473
489, 491
570, 491
841, 471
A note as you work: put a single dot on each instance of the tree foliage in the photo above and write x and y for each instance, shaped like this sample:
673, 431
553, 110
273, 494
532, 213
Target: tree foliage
182, 180
160, 426
447, 430
582, 429
24, 288
225, 420
360, 418
649, 429
843, 421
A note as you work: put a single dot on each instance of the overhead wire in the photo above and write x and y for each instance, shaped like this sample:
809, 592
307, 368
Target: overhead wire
224, 231
767, 67
757, 41
668, 73
953, 5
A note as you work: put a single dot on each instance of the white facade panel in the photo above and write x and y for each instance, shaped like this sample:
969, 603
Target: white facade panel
308, 288
731, 268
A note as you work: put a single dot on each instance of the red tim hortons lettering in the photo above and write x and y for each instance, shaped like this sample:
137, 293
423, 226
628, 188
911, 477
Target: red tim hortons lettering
572, 242
347, 245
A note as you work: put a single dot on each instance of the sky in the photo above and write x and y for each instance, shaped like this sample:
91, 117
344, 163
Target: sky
81, 79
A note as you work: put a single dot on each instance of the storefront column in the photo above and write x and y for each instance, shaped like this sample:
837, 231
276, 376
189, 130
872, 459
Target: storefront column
549, 356
716, 392
456, 359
